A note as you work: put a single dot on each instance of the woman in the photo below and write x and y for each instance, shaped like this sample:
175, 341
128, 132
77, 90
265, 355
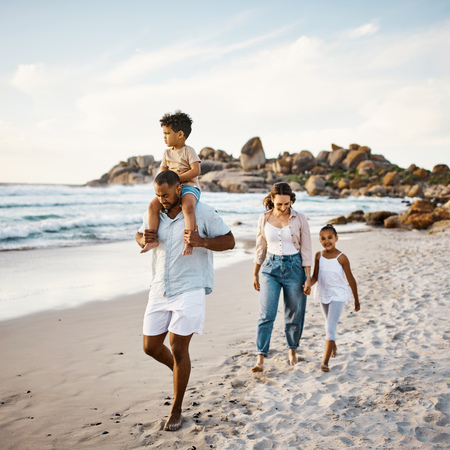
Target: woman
284, 255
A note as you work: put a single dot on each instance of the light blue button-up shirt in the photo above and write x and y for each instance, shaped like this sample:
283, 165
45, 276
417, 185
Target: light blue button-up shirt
171, 272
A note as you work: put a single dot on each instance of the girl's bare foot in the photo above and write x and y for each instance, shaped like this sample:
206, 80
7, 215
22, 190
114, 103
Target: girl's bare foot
293, 357
334, 351
149, 246
173, 422
324, 368
187, 250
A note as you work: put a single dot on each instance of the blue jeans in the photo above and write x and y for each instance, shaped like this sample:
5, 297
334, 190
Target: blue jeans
281, 272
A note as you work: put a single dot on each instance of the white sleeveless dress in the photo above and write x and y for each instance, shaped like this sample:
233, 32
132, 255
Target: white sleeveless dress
332, 283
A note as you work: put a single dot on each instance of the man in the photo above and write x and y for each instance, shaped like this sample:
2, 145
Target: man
176, 303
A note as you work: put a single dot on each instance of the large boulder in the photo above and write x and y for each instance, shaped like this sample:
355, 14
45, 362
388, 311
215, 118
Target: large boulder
208, 165
353, 158
356, 216
441, 168
303, 162
377, 191
335, 147
341, 220
252, 154
415, 191
365, 149
378, 217
315, 185
336, 157
421, 173
143, 162
380, 160
391, 179
366, 167
395, 222
358, 183
419, 221
206, 153
442, 212
353, 147
323, 156
442, 226
283, 163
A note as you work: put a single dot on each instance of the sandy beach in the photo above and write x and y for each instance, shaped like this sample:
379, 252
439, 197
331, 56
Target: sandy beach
78, 378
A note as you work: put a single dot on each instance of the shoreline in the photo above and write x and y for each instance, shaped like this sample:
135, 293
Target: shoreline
78, 377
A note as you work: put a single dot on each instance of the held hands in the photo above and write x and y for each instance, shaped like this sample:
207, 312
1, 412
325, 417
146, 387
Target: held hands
307, 286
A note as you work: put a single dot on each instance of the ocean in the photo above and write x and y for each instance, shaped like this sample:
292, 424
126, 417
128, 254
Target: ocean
48, 216
50, 236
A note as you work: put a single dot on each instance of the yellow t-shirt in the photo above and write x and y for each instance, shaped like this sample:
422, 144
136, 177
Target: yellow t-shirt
179, 160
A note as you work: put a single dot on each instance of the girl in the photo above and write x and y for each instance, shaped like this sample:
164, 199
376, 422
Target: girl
332, 290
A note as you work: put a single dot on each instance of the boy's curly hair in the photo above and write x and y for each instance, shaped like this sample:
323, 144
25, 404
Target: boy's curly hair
179, 121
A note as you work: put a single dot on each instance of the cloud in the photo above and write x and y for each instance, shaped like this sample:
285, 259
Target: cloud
30, 77
364, 30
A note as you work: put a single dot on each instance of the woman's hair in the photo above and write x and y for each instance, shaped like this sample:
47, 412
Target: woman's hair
329, 227
278, 189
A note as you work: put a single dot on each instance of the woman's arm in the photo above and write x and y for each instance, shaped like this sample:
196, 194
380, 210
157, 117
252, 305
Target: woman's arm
343, 260
256, 277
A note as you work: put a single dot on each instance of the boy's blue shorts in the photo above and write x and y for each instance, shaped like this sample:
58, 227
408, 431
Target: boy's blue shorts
190, 190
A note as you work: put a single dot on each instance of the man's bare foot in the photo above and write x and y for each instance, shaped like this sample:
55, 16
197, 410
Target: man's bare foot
324, 368
293, 357
187, 250
148, 246
173, 422
334, 351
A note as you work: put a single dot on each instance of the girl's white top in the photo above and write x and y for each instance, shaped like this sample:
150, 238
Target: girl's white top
332, 283
279, 240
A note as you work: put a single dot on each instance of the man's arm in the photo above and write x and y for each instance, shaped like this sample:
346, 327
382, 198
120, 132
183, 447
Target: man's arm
216, 244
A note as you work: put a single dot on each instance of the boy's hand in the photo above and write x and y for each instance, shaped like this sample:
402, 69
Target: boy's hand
357, 305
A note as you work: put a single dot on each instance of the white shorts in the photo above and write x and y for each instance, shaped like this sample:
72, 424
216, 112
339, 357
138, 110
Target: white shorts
182, 314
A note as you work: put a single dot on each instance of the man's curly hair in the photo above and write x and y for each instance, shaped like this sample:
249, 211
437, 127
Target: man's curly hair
178, 122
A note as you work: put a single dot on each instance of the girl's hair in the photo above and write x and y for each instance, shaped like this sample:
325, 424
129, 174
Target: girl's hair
329, 227
278, 189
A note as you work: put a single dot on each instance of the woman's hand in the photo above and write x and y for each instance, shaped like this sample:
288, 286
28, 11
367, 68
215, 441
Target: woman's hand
256, 282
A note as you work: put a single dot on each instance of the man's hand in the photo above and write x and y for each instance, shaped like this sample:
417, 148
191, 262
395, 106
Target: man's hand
193, 239
150, 236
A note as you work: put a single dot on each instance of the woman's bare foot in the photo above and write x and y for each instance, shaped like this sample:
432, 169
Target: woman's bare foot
293, 357
259, 366
324, 368
187, 250
148, 246
173, 422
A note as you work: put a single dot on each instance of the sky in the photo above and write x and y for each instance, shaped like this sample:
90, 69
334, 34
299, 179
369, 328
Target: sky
84, 83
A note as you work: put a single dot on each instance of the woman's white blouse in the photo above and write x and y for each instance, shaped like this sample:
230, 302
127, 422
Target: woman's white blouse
279, 240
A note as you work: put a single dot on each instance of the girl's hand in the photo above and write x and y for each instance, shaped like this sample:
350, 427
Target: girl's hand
356, 305
256, 282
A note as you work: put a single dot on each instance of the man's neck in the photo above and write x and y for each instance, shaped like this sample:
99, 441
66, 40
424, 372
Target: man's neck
174, 211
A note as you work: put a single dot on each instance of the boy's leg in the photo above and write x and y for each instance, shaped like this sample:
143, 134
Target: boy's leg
188, 206
153, 222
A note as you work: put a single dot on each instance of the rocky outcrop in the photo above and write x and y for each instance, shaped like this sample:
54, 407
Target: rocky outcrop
252, 154
338, 173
